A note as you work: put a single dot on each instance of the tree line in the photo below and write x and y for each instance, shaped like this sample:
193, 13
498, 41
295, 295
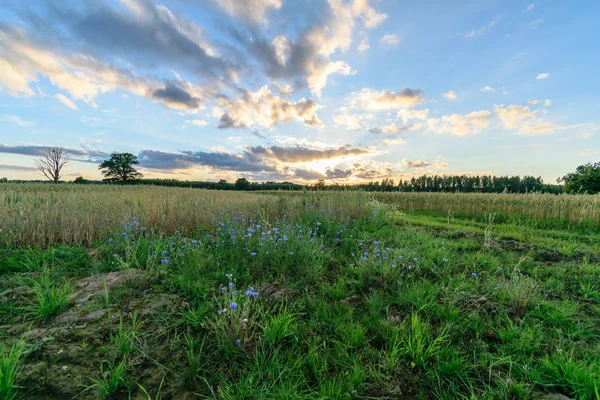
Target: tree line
121, 168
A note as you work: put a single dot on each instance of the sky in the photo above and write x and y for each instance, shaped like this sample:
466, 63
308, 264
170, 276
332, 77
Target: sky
299, 90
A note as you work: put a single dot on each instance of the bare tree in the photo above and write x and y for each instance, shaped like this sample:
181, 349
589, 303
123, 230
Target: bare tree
52, 161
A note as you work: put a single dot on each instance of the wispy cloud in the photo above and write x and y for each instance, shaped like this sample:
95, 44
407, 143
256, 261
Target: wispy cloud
18, 121
475, 33
543, 75
535, 24
390, 39
65, 101
488, 89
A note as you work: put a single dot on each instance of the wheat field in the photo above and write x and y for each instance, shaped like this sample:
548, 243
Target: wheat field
44, 215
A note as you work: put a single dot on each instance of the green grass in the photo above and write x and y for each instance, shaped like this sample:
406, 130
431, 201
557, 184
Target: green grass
112, 378
11, 365
50, 298
323, 306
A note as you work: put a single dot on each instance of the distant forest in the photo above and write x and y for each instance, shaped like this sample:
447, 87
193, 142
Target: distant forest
434, 183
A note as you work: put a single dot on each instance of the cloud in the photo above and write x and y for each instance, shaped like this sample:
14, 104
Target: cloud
543, 75
546, 103
450, 95
535, 24
364, 45
160, 160
18, 121
382, 100
351, 122
338, 173
144, 33
541, 128
307, 57
389, 39
390, 142
460, 125
249, 10
303, 154
17, 167
589, 152
65, 101
408, 114
265, 109
523, 120
83, 77
488, 89
417, 163
530, 7
35, 150
475, 33
390, 129
308, 175
175, 97
197, 122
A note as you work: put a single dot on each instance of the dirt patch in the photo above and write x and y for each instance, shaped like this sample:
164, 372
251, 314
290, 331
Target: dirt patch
275, 292
480, 304
64, 354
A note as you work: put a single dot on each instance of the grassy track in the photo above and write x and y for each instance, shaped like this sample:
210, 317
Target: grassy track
316, 296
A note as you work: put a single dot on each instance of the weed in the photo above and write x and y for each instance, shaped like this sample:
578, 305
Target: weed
112, 379
11, 366
50, 298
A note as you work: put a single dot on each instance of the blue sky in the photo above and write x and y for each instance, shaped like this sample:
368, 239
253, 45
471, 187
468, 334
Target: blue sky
345, 91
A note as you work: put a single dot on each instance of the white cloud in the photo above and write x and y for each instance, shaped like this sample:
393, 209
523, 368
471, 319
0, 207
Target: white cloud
408, 114
65, 101
530, 7
475, 33
391, 142
18, 121
381, 100
523, 120
250, 10
364, 45
450, 95
390, 39
390, 129
351, 122
235, 139
488, 89
197, 122
460, 125
265, 109
546, 103
543, 75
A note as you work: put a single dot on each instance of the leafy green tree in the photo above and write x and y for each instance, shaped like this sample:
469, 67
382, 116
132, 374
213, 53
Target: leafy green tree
80, 180
585, 179
242, 184
320, 185
120, 168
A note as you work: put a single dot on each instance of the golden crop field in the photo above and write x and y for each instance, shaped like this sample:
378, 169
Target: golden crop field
574, 209
43, 215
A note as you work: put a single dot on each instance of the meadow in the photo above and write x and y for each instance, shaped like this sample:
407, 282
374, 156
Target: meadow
173, 293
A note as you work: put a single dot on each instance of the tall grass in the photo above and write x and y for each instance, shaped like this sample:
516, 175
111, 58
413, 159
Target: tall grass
10, 368
44, 215
572, 209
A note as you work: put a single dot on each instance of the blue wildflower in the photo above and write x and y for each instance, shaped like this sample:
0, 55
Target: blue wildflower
233, 305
